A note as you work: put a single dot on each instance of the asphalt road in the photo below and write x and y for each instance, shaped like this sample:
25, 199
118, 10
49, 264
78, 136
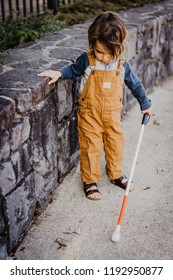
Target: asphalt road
75, 228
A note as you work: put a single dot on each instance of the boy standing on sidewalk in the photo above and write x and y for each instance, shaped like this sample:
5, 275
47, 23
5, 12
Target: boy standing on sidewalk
103, 70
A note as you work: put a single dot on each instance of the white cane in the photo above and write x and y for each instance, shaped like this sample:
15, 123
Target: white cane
116, 234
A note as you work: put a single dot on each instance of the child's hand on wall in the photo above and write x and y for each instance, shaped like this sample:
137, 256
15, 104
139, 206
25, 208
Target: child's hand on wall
54, 75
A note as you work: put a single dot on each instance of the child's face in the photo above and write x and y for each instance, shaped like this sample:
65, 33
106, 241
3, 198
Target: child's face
102, 53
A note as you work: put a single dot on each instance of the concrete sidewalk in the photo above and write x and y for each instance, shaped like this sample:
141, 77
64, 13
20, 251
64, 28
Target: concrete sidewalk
84, 228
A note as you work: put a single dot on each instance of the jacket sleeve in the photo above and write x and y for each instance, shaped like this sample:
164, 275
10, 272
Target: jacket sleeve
70, 72
135, 85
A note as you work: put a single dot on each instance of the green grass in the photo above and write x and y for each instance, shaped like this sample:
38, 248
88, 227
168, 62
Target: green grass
16, 32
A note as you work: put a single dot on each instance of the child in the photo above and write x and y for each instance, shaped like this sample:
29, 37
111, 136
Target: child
103, 70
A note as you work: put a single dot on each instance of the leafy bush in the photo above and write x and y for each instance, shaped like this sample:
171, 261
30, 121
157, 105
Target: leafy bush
21, 30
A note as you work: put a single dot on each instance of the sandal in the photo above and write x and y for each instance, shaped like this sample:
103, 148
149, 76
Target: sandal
118, 182
89, 190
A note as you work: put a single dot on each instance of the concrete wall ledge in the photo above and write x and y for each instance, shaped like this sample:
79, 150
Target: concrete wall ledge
38, 123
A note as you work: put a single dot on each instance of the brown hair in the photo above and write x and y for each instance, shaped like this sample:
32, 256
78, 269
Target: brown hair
109, 29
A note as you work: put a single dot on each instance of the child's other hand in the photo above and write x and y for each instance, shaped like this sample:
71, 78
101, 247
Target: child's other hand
148, 111
54, 75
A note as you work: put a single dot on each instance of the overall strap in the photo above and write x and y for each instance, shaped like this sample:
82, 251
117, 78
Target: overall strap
91, 58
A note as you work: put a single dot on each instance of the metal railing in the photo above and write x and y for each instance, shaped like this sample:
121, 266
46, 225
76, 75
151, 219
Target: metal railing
14, 8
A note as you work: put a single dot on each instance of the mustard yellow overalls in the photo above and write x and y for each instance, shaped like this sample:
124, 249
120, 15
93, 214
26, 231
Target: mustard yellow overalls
99, 123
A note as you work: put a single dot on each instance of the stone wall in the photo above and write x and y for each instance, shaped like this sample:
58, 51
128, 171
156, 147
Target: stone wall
38, 134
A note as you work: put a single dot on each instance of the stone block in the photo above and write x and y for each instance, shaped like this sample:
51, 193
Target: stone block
65, 53
16, 135
139, 66
3, 249
3, 236
22, 97
64, 100
68, 146
43, 137
41, 90
165, 54
58, 64
2, 223
44, 148
20, 207
55, 37
171, 48
25, 129
12, 80
21, 161
130, 45
7, 178
19, 55
44, 187
76, 42
156, 36
17, 80
7, 112
4, 145
170, 67
145, 43
150, 73
76, 92
19, 133
162, 73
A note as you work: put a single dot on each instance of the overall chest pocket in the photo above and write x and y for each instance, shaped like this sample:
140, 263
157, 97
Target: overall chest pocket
110, 88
